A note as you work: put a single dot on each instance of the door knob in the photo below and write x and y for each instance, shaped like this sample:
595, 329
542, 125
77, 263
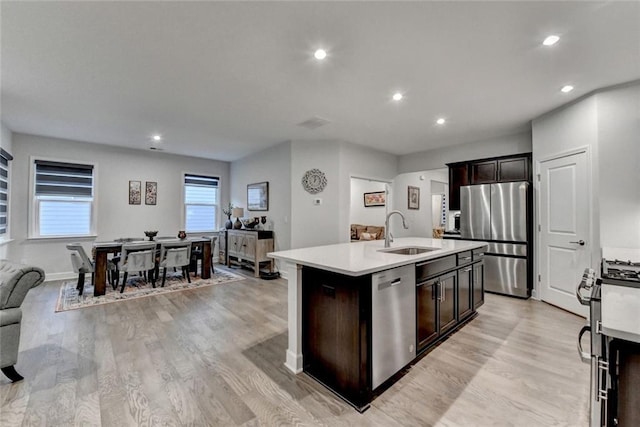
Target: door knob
579, 242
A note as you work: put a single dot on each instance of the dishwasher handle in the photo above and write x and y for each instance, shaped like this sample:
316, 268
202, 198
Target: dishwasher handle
389, 283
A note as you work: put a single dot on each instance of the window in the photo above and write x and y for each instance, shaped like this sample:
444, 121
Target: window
200, 203
5, 158
63, 199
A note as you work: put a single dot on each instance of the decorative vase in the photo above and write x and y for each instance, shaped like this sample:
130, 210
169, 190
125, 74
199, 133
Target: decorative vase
263, 220
237, 225
182, 235
228, 224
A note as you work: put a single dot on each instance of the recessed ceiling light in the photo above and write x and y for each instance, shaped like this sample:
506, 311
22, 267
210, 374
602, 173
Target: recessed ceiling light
320, 54
156, 137
397, 96
440, 121
551, 40
566, 89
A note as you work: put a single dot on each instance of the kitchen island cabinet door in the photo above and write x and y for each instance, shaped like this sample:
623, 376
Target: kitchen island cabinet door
465, 294
478, 284
427, 312
448, 292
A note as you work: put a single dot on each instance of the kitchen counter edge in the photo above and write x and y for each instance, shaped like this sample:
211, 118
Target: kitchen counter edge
360, 258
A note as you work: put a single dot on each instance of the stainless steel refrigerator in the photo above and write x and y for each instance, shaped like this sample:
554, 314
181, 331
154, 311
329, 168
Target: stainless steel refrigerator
500, 215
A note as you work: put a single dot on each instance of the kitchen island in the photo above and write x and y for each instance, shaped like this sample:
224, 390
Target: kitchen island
358, 312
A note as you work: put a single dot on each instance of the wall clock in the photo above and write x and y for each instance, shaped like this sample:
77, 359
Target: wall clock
314, 181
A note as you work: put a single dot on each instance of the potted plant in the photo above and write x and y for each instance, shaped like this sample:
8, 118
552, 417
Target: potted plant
228, 224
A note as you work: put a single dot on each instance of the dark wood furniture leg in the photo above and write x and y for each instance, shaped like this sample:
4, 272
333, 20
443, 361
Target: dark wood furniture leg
80, 285
10, 372
99, 287
206, 260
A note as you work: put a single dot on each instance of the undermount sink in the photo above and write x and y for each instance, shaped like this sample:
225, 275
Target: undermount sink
413, 250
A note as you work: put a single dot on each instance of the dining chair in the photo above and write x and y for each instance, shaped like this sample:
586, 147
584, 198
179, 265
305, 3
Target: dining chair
174, 254
82, 265
138, 257
213, 251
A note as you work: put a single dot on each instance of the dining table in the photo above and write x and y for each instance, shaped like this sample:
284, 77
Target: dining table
102, 249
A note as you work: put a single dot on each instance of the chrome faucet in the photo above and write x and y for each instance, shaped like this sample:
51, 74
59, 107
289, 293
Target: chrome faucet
388, 237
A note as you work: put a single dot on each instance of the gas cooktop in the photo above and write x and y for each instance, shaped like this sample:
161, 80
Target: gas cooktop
625, 272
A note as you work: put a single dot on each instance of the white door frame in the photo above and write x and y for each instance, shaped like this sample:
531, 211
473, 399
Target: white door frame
537, 289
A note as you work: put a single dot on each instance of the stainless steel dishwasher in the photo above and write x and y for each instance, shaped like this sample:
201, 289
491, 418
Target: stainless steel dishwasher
393, 336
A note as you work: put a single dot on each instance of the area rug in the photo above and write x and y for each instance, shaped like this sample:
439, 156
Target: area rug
68, 299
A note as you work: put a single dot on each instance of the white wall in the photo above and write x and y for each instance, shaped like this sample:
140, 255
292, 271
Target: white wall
420, 220
116, 218
362, 162
619, 166
274, 166
359, 214
314, 225
439, 157
6, 138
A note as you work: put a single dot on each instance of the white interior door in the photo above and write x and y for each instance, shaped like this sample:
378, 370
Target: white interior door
565, 239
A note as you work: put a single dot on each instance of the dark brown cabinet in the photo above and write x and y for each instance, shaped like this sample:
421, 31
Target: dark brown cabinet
513, 169
336, 319
447, 313
478, 284
465, 292
486, 171
427, 312
458, 176
436, 308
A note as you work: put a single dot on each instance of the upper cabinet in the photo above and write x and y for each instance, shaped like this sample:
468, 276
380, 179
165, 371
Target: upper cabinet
516, 169
486, 171
458, 176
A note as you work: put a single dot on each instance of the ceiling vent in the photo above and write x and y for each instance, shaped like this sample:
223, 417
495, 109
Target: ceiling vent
314, 123
156, 148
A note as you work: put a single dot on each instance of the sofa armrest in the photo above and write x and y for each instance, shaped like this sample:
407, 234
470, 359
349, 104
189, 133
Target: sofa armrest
15, 281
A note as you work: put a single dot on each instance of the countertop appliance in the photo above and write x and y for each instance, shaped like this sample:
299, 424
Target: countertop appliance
393, 322
614, 327
500, 214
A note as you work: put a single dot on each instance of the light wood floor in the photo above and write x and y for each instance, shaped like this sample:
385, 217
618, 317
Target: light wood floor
214, 356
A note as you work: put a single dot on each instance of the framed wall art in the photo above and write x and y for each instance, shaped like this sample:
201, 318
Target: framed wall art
135, 196
151, 193
258, 196
377, 198
413, 196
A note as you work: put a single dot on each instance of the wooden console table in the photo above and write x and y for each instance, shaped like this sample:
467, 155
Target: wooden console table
250, 246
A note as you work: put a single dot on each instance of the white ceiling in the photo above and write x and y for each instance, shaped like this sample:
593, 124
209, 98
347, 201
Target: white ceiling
225, 79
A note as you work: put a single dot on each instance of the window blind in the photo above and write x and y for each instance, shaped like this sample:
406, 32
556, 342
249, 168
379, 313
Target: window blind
63, 179
200, 198
5, 158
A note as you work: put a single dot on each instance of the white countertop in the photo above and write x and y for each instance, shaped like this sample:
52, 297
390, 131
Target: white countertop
358, 258
621, 312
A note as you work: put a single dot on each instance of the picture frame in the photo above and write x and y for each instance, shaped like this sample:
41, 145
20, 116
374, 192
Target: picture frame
151, 193
258, 196
135, 193
413, 197
376, 198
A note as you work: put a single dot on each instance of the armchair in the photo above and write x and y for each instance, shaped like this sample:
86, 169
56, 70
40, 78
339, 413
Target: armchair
15, 281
